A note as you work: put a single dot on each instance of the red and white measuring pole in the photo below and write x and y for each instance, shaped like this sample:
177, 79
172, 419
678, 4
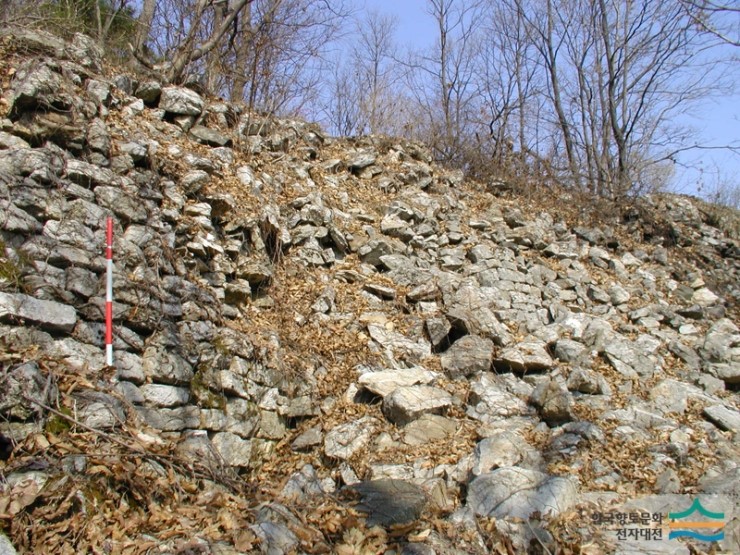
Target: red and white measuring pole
109, 293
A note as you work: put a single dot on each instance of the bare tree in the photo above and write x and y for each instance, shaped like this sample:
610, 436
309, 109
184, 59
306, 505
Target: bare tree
191, 49
721, 19
143, 26
618, 74
443, 79
373, 54
342, 110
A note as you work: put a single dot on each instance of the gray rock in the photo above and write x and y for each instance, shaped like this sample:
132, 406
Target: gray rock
98, 138
310, 438
271, 426
428, 428
8, 141
46, 314
467, 356
234, 450
398, 346
409, 403
24, 380
519, 492
305, 483
438, 330
194, 180
17, 220
136, 150
427, 291
99, 410
500, 450
587, 381
361, 161
722, 345
255, 273
685, 353
568, 350
554, 402
125, 206
237, 292
627, 359
32, 84
723, 417
388, 502
209, 137
165, 395
618, 295
171, 420
6, 548
489, 400
704, 297
149, 91
529, 355
673, 396
166, 367
668, 482
347, 439
372, 251
728, 373
88, 175
70, 232
386, 382
178, 100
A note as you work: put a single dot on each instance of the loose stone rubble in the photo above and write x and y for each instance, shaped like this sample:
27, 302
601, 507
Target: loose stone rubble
318, 313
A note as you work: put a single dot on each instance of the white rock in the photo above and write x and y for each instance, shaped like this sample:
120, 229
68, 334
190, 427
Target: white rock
386, 381
408, 403
346, 439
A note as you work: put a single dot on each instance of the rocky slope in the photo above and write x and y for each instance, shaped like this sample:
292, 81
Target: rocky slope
333, 345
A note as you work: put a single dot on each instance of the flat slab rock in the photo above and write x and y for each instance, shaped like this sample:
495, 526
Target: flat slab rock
519, 492
530, 355
345, 440
6, 548
467, 356
406, 404
428, 428
388, 501
386, 382
399, 345
47, 314
724, 417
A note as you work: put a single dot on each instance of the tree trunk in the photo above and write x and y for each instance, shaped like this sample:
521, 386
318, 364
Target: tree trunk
144, 25
187, 52
242, 56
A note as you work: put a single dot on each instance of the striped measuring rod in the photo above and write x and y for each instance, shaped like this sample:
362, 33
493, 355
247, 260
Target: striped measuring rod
109, 293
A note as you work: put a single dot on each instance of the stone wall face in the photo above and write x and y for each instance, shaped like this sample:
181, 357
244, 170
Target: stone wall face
476, 327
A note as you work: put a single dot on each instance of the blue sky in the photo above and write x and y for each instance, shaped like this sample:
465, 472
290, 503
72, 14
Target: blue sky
716, 121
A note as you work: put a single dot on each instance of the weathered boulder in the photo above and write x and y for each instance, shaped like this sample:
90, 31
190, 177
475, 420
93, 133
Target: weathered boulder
467, 356
386, 382
178, 100
529, 355
347, 439
25, 389
390, 502
554, 401
724, 417
490, 400
47, 314
512, 492
406, 404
